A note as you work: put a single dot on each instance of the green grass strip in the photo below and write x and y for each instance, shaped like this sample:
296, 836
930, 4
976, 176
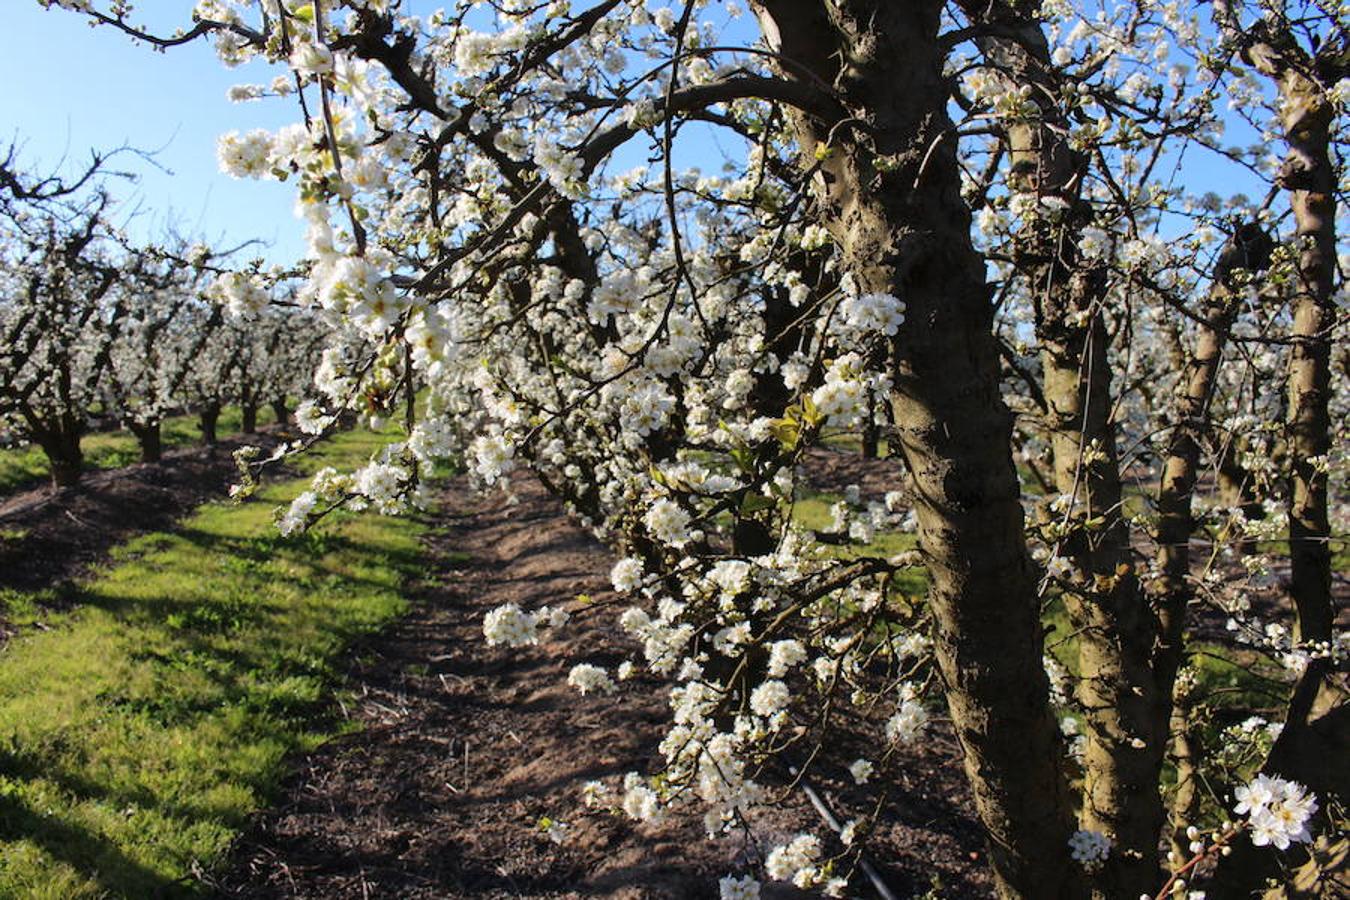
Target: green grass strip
25, 467
138, 734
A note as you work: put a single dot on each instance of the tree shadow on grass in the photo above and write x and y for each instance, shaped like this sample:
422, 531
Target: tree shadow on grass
196, 671
86, 852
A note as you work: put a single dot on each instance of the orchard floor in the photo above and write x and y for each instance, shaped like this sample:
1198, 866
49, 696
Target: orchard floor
50, 536
463, 749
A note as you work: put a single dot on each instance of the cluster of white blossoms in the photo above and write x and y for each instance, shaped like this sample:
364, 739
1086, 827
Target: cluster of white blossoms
297, 515
309, 58
247, 155
745, 887
668, 523
640, 801
562, 168
1089, 848
1277, 810
842, 398
588, 679
494, 456
627, 574
383, 486
1094, 243
872, 313
511, 626
646, 409
769, 699
311, 419
910, 720
797, 861
242, 294
784, 655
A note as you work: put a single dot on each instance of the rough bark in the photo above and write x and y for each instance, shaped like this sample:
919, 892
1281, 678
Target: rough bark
1311, 178
889, 193
249, 416
1317, 722
1125, 710
279, 410
1248, 251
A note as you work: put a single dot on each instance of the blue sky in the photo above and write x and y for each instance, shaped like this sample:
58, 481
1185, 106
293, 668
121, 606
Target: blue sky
72, 88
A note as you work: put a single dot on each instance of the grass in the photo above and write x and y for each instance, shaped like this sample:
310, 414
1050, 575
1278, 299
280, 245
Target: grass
812, 510
23, 467
851, 442
139, 732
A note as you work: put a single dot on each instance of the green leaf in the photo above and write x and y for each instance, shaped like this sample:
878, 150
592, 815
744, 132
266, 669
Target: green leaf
755, 502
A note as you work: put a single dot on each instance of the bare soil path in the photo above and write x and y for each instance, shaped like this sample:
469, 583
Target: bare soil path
462, 749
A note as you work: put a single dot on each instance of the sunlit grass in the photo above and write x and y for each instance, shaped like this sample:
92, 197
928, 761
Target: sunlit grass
812, 510
24, 467
138, 734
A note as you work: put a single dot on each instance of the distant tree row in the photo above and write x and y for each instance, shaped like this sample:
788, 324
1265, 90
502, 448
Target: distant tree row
97, 329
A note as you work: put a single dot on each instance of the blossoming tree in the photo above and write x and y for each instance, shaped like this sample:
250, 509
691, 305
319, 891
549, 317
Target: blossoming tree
57, 320
970, 222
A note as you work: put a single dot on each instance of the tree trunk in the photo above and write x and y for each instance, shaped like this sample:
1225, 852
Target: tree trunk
1311, 174
871, 433
280, 412
1175, 526
890, 196
1237, 489
150, 439
1318, 719
209, 417
1126, 713
65, 458
1248, 251
250, 418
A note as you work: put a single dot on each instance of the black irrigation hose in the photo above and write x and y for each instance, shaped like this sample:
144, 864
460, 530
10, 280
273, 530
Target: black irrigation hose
882, 889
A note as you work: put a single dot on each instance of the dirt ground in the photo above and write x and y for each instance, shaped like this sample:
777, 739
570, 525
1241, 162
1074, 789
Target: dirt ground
833, 471
49, 536
462, 749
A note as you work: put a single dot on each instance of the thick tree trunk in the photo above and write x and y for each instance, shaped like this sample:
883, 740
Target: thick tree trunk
280, 412
1126, 712
249, 413
65, 458
1312, 177
1248, 251
209, 417
150, 439
890, 195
